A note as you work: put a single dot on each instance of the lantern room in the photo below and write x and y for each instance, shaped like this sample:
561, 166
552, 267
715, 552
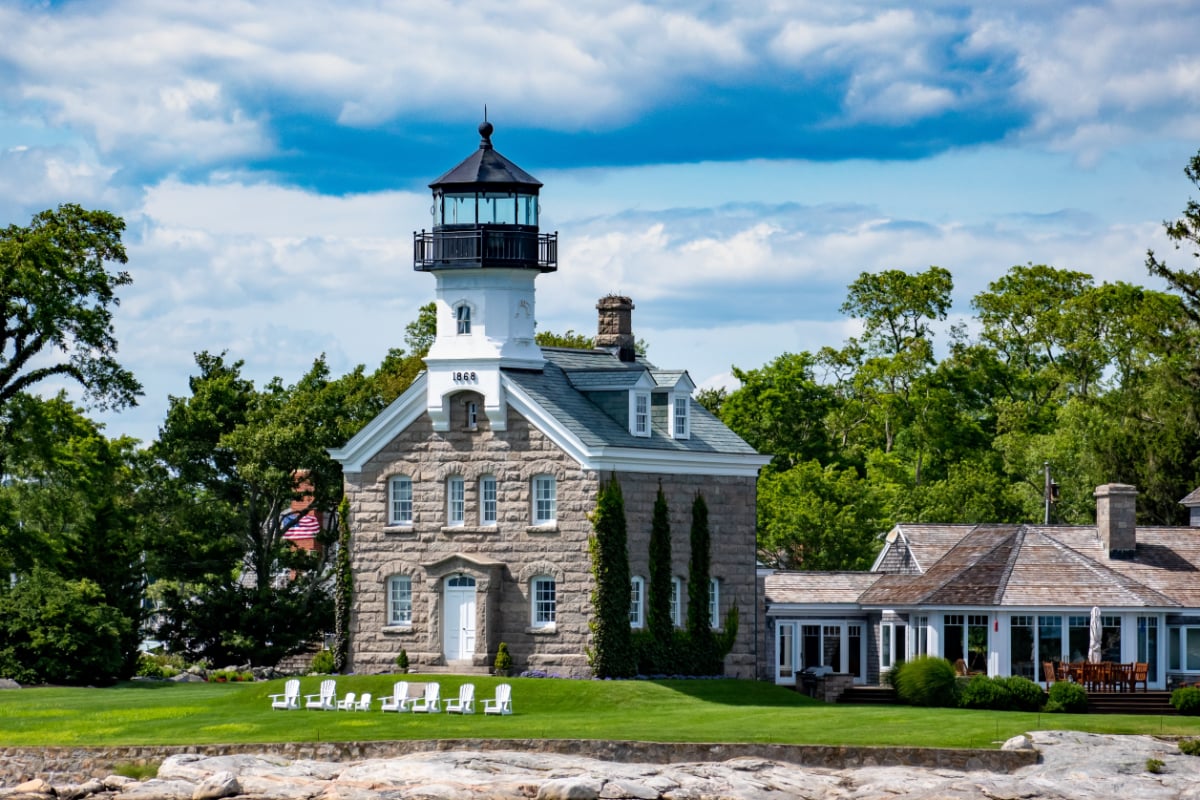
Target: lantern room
485, 214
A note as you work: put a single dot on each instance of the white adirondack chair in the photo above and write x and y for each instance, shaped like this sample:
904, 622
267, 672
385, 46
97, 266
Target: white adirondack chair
399, 700
347, 703
431, 703
464, 703
364, 702
290, 698
501, 703
326, 700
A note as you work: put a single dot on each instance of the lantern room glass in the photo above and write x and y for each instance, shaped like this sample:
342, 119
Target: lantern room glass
485, 208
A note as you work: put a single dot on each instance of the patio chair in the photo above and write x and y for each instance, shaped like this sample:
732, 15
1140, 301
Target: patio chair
399, 699
501, 703
347, 703
1048, 672
364, 702
326, 700
464, 703
1140, 674
290, 698
431, 702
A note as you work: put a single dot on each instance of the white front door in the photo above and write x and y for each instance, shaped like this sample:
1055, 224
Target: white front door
458, 623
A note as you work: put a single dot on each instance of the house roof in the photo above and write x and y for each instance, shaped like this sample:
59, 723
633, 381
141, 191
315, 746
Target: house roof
1027, 566
806, 588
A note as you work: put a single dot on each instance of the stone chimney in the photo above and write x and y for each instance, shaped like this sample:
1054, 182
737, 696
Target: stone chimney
1116, 513
615, 332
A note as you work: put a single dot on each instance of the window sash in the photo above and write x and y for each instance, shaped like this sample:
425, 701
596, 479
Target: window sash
462, 316
402, 501
545, 602
487, 500
400, 600
456, 500
676, 593
714, 604
635, 602
544, 500
641, 414
681, 417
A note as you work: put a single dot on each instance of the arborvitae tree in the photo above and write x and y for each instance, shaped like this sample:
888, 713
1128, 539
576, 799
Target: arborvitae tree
659, 625
612, 653
699, 625
344, 595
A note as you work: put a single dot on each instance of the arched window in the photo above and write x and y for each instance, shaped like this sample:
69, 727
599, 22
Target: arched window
462, 317
399, 600
400, 496
544, 593
637, 594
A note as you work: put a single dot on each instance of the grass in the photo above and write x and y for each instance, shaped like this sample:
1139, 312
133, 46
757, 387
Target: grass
150, 713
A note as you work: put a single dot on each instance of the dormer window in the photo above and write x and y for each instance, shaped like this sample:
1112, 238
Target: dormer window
640, 414
462, 316
680, 417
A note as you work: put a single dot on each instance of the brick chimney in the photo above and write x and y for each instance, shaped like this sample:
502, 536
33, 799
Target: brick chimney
615, 332
1116, 518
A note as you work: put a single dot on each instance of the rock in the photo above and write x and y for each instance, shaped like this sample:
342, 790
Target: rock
188, 677
36, 786
157, 790
216, 786
9, 683
115, 783
581, 788
1020, 742
628, 790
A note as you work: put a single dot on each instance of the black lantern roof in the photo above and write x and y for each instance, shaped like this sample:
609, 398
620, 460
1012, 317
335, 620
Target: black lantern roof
488, 170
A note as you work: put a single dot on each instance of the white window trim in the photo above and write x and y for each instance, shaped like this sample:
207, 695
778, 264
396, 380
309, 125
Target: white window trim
536, 498
394, 620
676, 417
639, 425
714, 604
676, 607
393, 483
536, 618
456, 507
637, 602
484, 503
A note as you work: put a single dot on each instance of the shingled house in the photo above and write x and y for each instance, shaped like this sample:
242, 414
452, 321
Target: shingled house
470, 494
1003, 598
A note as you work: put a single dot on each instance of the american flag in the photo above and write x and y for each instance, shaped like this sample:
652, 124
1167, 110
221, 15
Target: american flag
307, 527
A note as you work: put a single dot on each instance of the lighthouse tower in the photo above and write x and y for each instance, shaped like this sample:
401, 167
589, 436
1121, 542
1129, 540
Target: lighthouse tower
485, 251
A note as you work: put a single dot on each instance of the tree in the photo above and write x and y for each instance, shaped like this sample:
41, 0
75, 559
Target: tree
570, 339
1184, 232
57, 296
660, 627
612, 653
699, 624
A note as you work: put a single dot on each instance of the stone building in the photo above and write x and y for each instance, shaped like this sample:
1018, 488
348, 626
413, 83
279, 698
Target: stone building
470, 494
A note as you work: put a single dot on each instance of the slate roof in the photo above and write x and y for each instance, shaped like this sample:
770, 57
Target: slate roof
1024, 566
555, 390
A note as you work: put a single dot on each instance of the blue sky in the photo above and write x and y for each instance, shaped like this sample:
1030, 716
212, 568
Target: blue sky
731, 166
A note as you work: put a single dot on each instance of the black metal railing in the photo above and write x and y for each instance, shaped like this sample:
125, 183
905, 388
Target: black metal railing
485, 247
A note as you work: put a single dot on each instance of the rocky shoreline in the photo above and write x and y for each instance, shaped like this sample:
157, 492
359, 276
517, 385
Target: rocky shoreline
1070, 766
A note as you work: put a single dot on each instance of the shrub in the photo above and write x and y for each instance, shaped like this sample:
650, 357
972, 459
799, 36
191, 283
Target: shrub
402, 660
927, 681
1189, 747
1155, 766
322, 662
503, 662
1024, 694
1186, 700
984, 692
229, 676
1066, 697
138, 772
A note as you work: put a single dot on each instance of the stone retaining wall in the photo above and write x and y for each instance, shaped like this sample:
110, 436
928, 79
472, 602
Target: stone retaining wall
77, 764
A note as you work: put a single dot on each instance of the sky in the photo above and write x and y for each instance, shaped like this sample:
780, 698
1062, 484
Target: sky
731, 166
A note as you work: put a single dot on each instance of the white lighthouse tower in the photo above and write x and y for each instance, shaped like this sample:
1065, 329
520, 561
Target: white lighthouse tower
486, 252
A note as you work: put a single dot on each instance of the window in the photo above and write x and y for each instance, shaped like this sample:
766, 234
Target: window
455, 500
544, 500
1020, 647
680, 424
545, 602
462, 316
641, 414
399, 594
714, 604
472, 415
636, 592
676, 605
400, 490
487, 500
921, 632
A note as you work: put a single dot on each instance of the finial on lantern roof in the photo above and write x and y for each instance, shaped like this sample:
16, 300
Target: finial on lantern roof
485, 130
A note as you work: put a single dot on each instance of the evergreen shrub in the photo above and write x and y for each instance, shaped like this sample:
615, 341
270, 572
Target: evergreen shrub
1186, 700
984, 692
322, 663
1024, 694
1067, 698
927, 681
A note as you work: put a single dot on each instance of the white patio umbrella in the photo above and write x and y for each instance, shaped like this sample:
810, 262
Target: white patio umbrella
1095, 633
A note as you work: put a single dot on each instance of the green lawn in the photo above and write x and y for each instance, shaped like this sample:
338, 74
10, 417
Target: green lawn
692, 711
